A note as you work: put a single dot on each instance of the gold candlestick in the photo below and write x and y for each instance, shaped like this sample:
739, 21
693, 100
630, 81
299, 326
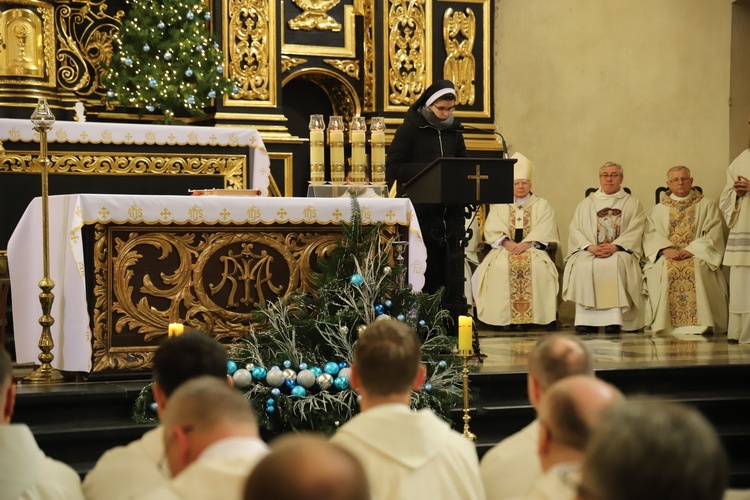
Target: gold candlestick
43, 119
465, 355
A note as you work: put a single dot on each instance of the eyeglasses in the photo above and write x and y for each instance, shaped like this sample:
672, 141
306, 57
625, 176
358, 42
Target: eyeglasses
443, 109
681, 179
609, 176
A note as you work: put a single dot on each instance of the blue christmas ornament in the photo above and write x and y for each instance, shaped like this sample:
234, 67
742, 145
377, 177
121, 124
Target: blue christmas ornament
110, 94
290, 384
190, 15
343, 365
400, 317
128, 62
199, 48
422, 322
303, 366
379, 309
231, 367
161, 25
287, 363
259, 373
150, 108
152, 82
235, 90
207, 16
211, 94
299, 392
275, 392
356, 280
146, 48
270, 409
216, 45
331, 368
191, 100
318, 371
168, 56
428, 387
442, 365
220, 68
341, 383
388, 303
153, 406
270, 401
188, 72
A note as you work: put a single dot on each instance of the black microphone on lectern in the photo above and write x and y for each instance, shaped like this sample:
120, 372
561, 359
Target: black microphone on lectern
505, 147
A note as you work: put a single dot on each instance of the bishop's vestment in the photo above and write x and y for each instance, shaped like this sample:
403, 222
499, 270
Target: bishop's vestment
613, 284
518, 289
737, 254
689, 295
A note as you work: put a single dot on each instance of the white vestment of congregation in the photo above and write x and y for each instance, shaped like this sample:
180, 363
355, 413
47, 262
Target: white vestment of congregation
219, 473
411, 454
26, 473
606, 290
518, 289
737, 254
126, 472
686, 296
511, 467
558, 483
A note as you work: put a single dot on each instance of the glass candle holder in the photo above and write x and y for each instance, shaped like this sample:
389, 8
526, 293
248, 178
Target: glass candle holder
317, 151
377, 145
359, 163
336, 143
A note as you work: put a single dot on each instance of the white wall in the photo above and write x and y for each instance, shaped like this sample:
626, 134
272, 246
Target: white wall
640, 82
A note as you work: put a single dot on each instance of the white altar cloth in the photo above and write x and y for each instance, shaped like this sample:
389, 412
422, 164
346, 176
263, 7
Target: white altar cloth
129, 133
69, 213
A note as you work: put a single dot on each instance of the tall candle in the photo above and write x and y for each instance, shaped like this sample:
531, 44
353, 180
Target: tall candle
465, 333
358, 156
317, 157
175, 329
337, 155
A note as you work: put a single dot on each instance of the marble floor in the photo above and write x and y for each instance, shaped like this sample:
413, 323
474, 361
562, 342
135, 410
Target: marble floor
508, 351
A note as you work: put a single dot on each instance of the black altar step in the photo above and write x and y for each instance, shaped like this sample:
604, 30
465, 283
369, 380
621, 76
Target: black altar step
720, 392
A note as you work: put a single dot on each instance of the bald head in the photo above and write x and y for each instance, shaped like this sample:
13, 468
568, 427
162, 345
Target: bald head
558, 356
321, 470
571, 407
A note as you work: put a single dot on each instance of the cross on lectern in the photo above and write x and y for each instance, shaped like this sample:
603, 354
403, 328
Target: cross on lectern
479, 178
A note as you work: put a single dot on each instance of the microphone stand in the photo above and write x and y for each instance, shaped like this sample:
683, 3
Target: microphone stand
505, 146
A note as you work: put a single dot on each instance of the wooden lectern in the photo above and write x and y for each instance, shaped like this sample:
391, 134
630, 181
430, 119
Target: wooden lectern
465, 182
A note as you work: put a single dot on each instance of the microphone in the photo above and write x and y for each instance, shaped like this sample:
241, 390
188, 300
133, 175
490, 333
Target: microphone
505, 147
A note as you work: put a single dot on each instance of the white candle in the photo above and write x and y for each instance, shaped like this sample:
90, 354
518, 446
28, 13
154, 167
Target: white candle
316, 146
378, 147
337, 147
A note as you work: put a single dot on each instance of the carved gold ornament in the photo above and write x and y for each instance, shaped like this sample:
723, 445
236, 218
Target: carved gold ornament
288, 63
407, 46
249, 41
27, 48
459, 35
315, 16
349, 67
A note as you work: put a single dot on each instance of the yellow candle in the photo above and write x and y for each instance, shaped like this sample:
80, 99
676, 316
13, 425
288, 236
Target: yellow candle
175, 329
337, 147
464, 333
358, 147
316, 146
378, 147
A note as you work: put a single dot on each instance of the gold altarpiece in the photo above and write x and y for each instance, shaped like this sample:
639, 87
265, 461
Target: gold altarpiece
366, 57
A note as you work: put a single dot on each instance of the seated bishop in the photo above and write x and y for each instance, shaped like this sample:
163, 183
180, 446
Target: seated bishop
684, 243
517, 282
602, 269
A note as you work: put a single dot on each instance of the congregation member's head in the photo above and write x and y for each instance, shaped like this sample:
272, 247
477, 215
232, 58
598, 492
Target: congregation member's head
7, 387
653, 450
185, 357
387, 363
200, 413
569, 412
307, 467
555, 357
610, 177
522, 170
679, 181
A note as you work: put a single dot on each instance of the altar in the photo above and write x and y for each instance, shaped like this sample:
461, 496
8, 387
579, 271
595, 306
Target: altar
125, 266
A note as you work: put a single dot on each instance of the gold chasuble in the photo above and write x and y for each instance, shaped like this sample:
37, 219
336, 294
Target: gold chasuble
519, 278
683, 305
686, 296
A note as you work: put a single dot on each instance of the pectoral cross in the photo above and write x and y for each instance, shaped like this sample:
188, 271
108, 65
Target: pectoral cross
478, 177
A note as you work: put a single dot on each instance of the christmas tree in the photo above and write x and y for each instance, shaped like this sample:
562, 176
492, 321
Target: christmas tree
294, 366
165, 59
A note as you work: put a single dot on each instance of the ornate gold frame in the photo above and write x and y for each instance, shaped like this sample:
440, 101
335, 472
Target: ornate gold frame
348, 50
46, 13
288, 159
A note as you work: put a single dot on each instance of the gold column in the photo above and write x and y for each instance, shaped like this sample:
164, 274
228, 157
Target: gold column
43, 119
